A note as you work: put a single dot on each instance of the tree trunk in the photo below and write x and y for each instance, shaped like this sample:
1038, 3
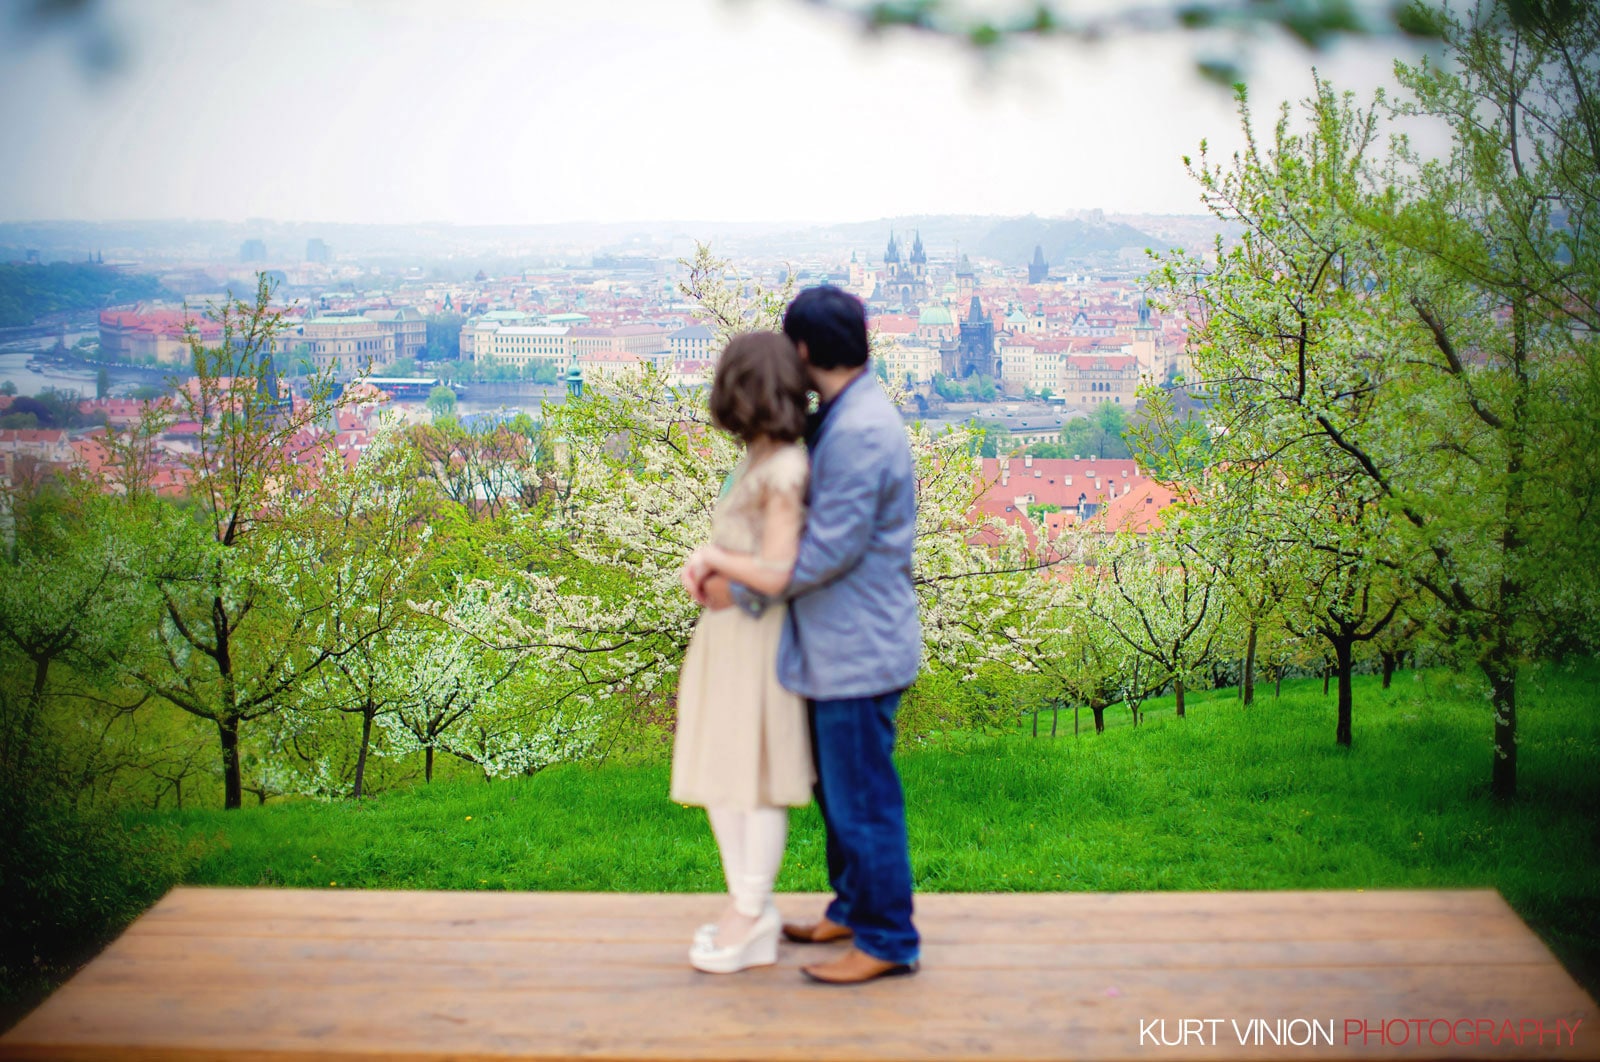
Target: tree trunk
361, 756
1035, 720
227, 719
1055, 717
1502, 675
1343, 656
1177, 689
1099, 711
1327, 673
1388, 660
19, 739
1247, 681
1277, 682
427, 764
232, 784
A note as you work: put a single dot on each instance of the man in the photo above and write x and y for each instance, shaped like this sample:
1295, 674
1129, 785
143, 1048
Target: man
853, 641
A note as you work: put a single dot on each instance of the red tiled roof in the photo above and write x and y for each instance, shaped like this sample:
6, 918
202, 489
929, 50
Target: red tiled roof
1050, 486
1141, 510
894, 323
14, 436
1058, 344
162, 322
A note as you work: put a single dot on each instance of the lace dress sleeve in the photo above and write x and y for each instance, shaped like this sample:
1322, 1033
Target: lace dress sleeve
787, 472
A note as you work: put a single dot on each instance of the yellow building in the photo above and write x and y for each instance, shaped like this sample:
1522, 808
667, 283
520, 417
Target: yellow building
347, 346
1090, 379
909, 361
523, 345
611, 365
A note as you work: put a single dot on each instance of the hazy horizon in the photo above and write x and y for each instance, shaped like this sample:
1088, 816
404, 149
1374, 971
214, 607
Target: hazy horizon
492, 113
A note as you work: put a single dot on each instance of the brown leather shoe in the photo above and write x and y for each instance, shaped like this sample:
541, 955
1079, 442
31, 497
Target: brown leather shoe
821, 931
855, 967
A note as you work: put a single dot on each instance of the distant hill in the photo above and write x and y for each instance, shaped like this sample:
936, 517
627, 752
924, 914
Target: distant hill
1011, 242
1083, 238
28, 292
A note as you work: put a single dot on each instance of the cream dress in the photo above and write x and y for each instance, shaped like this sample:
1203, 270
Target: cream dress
742, 740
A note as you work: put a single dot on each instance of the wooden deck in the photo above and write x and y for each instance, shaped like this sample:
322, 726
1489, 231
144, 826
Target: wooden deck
288, 974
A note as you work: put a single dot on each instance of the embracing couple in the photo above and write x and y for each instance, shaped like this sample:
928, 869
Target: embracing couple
809, 636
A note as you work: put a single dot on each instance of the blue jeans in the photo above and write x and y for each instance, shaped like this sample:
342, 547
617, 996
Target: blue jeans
858, 791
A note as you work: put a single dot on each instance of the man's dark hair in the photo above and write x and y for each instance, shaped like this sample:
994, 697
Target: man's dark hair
832, 324
760, 388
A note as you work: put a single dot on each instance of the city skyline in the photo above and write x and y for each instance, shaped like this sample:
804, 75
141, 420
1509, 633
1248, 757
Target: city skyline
623, 112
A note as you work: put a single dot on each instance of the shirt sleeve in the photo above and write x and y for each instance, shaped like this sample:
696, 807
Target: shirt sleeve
747, 599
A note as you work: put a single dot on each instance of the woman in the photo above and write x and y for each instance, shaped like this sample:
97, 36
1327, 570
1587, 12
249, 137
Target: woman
742, 750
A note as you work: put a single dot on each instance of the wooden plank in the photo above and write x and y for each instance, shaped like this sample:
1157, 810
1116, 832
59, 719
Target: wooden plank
168, 953
771, 1014
425, 905
989, 917
1199, 926
310, 974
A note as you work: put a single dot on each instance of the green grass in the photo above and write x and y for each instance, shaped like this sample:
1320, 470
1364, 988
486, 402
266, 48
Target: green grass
1229, 798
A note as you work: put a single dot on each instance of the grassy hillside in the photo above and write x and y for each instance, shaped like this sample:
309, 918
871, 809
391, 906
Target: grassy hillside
1230, 798
28, 292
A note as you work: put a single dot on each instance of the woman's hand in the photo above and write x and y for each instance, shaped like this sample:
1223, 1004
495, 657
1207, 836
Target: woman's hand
693, 576
715, 558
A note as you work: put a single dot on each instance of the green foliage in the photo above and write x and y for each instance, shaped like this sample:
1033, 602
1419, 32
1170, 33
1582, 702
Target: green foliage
989, 439
726, 308
28, 292
70, 880
442, 401
542, 372
52, 407
1103, 433
1400, 352
240, 589
1316, 24
976, 388
443, 341
486, 367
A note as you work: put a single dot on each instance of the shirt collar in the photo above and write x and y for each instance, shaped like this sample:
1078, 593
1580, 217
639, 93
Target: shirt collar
815, 421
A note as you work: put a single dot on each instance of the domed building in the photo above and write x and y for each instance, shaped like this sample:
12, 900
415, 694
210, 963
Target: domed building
936, 325
1017, 322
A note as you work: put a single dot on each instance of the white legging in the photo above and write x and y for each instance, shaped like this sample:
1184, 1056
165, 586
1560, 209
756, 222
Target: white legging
752, 850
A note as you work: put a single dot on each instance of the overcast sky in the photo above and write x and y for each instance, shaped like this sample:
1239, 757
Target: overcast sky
512, 111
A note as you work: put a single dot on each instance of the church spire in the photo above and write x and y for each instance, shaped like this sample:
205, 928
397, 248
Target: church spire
1038, 269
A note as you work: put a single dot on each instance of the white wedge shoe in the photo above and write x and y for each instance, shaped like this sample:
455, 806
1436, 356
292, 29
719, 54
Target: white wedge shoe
758, 948
708, 932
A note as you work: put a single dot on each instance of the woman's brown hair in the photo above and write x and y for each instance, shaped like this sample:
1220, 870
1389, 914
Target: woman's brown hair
760, 388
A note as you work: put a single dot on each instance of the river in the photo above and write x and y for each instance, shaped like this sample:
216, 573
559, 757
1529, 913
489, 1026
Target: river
16, 353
